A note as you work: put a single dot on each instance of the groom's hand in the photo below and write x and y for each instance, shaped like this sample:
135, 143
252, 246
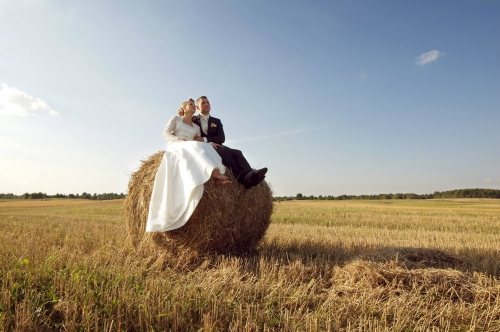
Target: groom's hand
198, 139
215, 145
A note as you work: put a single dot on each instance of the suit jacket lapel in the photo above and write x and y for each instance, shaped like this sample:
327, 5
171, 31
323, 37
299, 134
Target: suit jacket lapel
199, 123
210, 121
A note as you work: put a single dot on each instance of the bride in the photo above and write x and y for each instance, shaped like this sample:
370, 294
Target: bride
185, 167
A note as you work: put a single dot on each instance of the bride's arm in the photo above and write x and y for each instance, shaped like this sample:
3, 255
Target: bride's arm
198, 131
197, 135
168, 132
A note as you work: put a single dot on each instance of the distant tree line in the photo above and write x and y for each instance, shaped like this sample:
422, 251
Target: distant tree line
84, 195
457, 193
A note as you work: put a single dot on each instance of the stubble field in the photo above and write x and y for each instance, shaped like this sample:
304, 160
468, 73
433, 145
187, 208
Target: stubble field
402, 265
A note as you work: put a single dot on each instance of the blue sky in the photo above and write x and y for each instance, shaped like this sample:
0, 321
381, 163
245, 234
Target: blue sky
334, 97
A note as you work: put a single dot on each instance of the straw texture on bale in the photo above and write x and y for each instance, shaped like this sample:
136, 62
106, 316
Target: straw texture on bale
228, 219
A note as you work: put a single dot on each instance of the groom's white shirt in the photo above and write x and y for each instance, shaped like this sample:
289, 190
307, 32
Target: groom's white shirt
204, 124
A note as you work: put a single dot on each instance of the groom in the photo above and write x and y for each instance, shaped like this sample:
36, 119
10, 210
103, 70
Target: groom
212, 131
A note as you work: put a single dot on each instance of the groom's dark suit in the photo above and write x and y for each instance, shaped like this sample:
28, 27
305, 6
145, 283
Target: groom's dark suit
232, 158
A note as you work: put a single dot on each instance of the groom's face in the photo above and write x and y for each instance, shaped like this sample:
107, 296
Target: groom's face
203, 106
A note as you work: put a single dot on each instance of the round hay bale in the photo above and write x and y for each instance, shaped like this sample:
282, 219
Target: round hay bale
228, 219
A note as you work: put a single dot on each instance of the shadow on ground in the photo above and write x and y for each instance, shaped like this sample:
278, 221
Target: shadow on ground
326, 256
410, 258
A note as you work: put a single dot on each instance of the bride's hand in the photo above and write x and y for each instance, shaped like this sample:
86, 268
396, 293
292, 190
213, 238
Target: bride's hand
215, 145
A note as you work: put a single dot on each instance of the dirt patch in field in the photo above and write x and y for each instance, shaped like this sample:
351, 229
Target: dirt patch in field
416, 258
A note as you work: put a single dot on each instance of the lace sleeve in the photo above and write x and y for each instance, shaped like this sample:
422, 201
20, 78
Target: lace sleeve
168, 133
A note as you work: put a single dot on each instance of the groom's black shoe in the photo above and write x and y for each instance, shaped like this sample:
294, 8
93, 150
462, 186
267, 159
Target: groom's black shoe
254, 177
260, 174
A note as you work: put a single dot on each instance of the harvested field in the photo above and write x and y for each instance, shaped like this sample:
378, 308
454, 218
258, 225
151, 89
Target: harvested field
322, 266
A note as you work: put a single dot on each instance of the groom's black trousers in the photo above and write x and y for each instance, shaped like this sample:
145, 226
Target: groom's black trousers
235, 160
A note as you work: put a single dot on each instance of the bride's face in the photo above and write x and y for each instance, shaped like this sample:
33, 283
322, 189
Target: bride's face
190, 108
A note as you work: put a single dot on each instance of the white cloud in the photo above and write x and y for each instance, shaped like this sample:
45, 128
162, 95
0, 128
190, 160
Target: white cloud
363, 75
428, 57
14, 102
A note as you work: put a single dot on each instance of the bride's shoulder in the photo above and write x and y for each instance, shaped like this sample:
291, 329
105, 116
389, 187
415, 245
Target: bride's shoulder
175, 118
173, 122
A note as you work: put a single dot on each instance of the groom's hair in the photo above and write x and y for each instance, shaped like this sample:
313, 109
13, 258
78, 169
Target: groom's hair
200, 98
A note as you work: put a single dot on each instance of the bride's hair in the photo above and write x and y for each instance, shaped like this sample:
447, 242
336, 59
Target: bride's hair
182, 110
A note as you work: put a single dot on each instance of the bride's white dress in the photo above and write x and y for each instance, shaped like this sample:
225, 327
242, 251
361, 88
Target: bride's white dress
178, 186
